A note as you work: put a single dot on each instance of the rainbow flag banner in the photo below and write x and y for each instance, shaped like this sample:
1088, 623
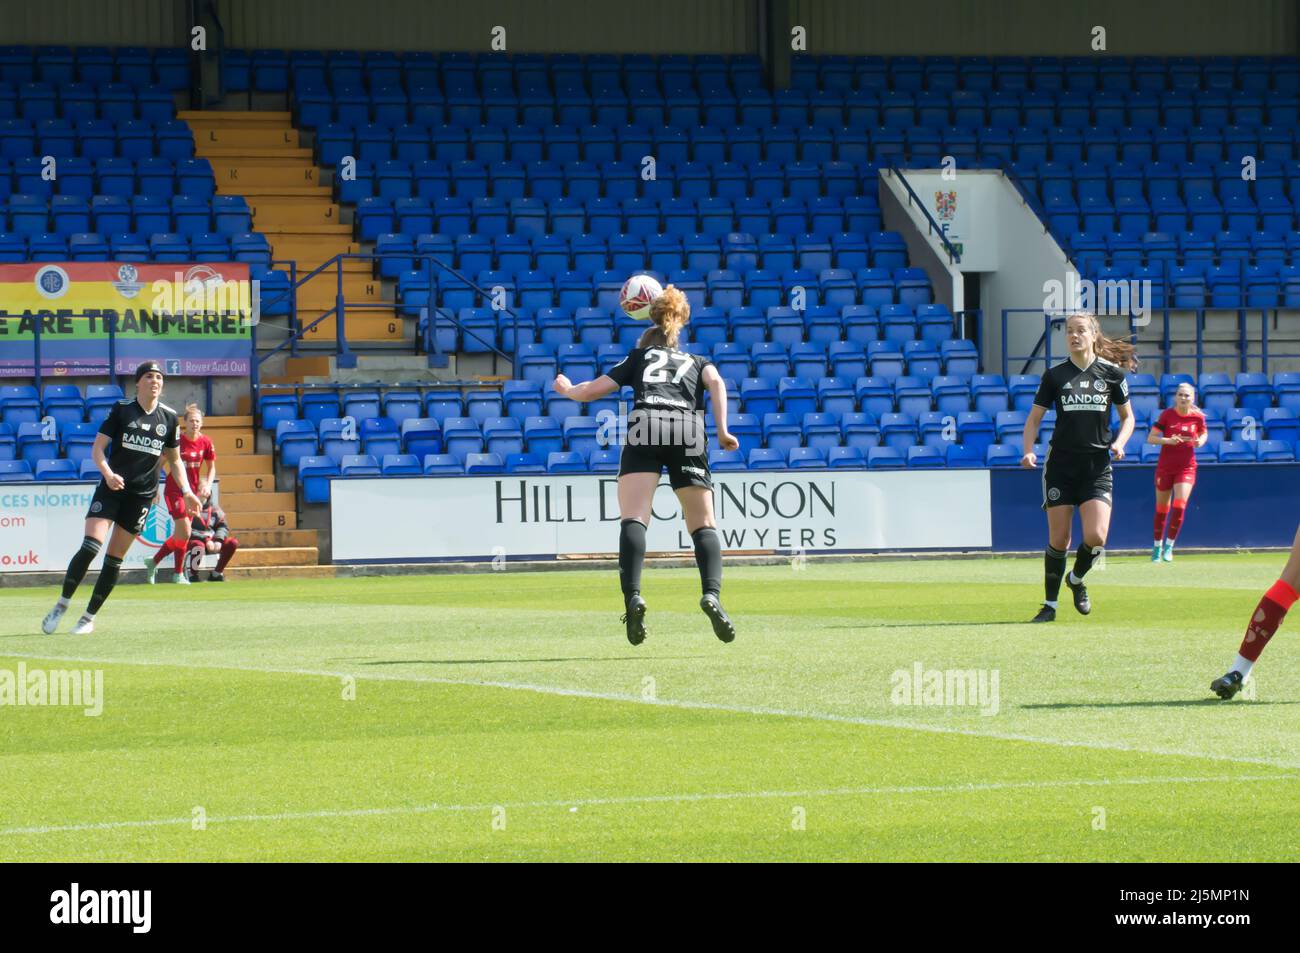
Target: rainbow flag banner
194, 319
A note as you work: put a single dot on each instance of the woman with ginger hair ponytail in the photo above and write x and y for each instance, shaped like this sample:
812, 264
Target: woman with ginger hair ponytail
665, 429
1077, 469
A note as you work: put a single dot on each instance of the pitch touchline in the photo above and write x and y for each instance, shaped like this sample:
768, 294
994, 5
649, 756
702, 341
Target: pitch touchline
680, 703
639, 799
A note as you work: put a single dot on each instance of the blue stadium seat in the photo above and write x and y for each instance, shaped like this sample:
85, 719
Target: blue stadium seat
565, 462
56, 469
845, 458
443, 464
1004, 455
14, 471
960, 456
360, 465
766, 458
885, 458
313, 474
1267, 451
401, 464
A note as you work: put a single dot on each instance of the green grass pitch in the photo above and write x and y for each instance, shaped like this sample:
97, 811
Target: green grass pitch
503, 716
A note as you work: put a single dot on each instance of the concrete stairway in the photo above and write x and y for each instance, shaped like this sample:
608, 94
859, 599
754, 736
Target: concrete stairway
258, 155
266, 522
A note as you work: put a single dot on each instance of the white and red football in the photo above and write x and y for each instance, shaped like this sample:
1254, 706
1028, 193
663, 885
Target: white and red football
638, 293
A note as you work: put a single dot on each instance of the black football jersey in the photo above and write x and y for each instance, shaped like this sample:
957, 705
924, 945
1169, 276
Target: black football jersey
139, 440
1083, 399
663, 378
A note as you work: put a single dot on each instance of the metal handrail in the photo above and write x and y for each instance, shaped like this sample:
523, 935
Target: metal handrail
953, 257
344, 355
1166, 356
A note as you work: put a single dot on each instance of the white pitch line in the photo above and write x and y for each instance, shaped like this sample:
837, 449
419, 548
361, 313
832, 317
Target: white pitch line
639, 799
684, 704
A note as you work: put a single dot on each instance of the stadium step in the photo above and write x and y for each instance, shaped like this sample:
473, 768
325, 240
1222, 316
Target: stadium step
307, 231
370, 324
245, 137
277, 556
261, 519
318, 293
233, 118
232, 441
244, 176
292, 210
245, 464
245, 482
310, 253
259, 502
277, 538
244, 153
298, 366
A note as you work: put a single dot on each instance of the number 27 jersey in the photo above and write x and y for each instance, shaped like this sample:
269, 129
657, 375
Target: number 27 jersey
663, 378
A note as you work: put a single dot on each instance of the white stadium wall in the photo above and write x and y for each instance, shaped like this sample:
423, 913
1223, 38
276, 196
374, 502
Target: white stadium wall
422, 519
999, 237
42, 524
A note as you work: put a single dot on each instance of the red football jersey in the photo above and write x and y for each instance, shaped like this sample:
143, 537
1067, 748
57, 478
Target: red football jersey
1173, 424
193, 453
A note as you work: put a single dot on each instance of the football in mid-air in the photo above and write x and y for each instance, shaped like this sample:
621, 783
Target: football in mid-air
638, 293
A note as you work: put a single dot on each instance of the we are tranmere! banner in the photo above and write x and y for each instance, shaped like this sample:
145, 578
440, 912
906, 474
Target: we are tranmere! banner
194, 319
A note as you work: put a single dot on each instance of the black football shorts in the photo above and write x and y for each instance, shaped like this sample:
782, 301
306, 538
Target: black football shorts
127, 510
1072, 479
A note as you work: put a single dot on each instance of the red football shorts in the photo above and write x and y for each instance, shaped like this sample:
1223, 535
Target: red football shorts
1165, 479
176, 507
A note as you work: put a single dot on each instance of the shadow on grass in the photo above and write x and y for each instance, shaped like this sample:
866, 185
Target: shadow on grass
525, 661
928, 625
1173, 703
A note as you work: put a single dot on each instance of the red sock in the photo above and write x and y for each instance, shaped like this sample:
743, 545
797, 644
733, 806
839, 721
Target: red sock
1268, 616
1160, 523
179, 550
163, 550
227, 553
1176, 515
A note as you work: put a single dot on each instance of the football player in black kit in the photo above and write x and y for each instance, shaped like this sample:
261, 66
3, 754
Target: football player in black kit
143, 433
665, 429
1076, 471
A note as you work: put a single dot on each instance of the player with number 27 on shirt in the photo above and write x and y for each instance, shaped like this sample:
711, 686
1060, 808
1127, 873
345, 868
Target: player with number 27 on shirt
665, 429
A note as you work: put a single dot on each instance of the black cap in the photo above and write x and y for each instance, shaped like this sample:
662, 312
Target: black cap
145, 368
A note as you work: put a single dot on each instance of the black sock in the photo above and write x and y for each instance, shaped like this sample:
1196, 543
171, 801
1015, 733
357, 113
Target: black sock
631, 555
104, 584
708, 556
1053, 572
81, 561
1083, 558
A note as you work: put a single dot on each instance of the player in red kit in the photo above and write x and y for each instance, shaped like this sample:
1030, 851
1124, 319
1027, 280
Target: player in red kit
1178, 432
200, 460
1268, 615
